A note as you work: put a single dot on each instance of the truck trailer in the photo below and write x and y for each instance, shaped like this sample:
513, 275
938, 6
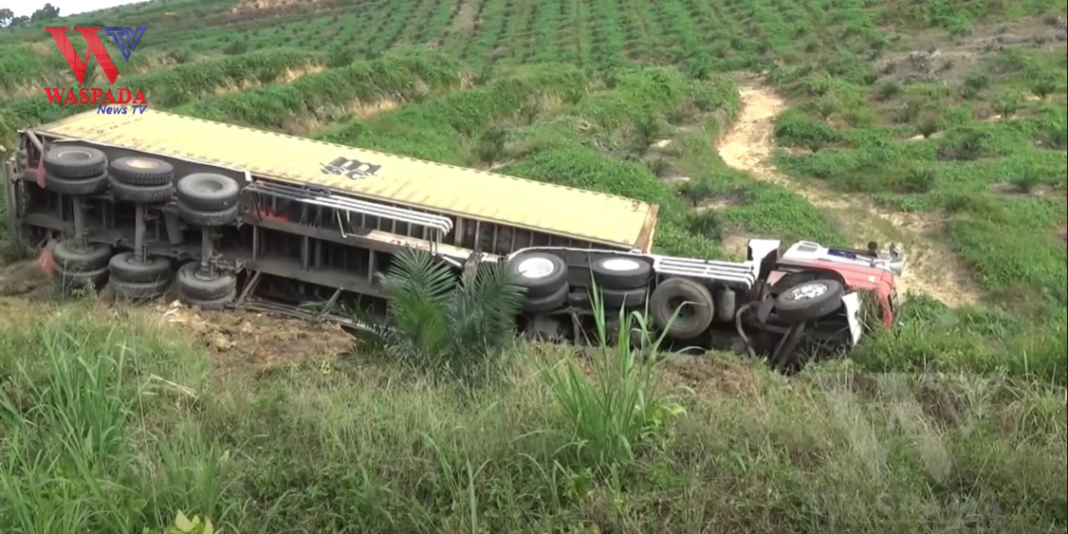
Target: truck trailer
230, 216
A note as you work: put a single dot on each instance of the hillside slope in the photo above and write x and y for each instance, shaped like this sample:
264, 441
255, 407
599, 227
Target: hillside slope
940, 125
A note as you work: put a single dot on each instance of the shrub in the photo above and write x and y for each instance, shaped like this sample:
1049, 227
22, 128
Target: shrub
439, 322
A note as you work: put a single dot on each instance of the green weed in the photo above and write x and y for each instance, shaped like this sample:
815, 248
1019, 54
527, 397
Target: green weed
616, 409
328, 95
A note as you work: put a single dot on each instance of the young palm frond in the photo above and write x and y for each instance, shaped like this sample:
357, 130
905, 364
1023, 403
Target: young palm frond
437, 321
482, 313
420, 288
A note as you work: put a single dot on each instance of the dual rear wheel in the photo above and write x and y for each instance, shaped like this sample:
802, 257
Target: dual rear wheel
203, 199
78, 267
622, 282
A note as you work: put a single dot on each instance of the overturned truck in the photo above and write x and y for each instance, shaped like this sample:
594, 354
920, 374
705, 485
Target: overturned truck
236, 217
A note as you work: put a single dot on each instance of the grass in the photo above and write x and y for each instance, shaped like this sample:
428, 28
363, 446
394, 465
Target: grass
116, 424
113, 425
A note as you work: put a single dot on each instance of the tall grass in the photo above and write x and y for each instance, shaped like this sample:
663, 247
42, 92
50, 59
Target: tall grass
615, 405
113, 423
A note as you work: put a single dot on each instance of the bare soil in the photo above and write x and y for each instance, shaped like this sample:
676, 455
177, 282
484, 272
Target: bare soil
737, 197
252, 342
21, 279
937, 59
1062, 234
704, 374
466, 18
241, 341
258, 5
932, 267
1010, 190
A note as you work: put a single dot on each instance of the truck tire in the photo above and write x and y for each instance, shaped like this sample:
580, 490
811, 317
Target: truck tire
139, 290
70, 257
208, 192
69, 281
147, 194
124, 266
540, 273
137, 171
207, 218
193, 286
213, 304
75, 162
614, 299
615, 272
694, 317
76, 186
547, 303
809, 301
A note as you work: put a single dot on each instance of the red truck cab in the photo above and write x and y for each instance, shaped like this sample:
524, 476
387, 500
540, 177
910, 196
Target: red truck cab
857, 270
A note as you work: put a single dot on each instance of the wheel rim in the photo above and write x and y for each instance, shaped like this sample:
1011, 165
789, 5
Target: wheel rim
808, 292
78, 246
77, 155
620, 265
204, 275
208, 186
536, 268
139, 163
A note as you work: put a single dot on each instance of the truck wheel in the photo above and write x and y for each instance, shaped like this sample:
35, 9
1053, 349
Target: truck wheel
614, 299
75, 162
696, 307
809, 301
148, 194
547, 303
213, 304
540, 273
207, 218
124, 266
70, 256
142, 171
193, 285
77, 186
621, 273
70, 281
139, 290
208, 192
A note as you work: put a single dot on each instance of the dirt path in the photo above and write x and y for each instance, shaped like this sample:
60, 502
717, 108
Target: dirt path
932, 267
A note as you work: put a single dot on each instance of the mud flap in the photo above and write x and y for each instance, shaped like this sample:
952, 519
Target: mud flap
45, 260
851, 301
